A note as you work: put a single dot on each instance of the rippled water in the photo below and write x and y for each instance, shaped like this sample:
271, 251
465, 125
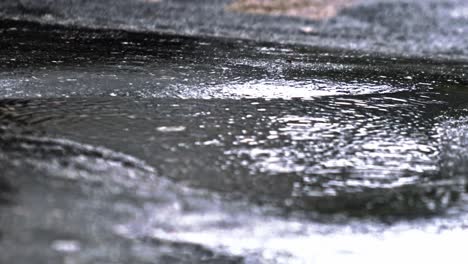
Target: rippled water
292, 160
192, 152
385, 151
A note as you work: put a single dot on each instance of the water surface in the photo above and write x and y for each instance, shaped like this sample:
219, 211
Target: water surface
123, 147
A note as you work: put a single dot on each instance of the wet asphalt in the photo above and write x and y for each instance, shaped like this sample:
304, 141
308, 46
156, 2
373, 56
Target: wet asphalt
428, 28
179, 132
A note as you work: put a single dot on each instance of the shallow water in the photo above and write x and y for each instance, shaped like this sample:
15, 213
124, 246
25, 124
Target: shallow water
162, 149
264, 185
385, 151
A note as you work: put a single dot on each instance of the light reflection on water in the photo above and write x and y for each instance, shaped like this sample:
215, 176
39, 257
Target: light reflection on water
272, 154
383, 150
289, 89
262, 239
175, 213
298, 156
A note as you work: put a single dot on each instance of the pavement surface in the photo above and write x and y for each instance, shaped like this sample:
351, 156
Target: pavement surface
422, 28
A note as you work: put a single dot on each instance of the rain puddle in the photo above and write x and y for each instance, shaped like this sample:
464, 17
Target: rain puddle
165, 149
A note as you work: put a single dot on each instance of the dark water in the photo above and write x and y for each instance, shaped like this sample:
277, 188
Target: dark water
134, 148
387, 152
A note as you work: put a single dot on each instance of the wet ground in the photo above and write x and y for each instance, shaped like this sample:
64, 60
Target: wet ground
425, 28
121, 147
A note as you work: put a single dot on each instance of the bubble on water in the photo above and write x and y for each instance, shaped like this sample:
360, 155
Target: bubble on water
66, 246
167, 129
